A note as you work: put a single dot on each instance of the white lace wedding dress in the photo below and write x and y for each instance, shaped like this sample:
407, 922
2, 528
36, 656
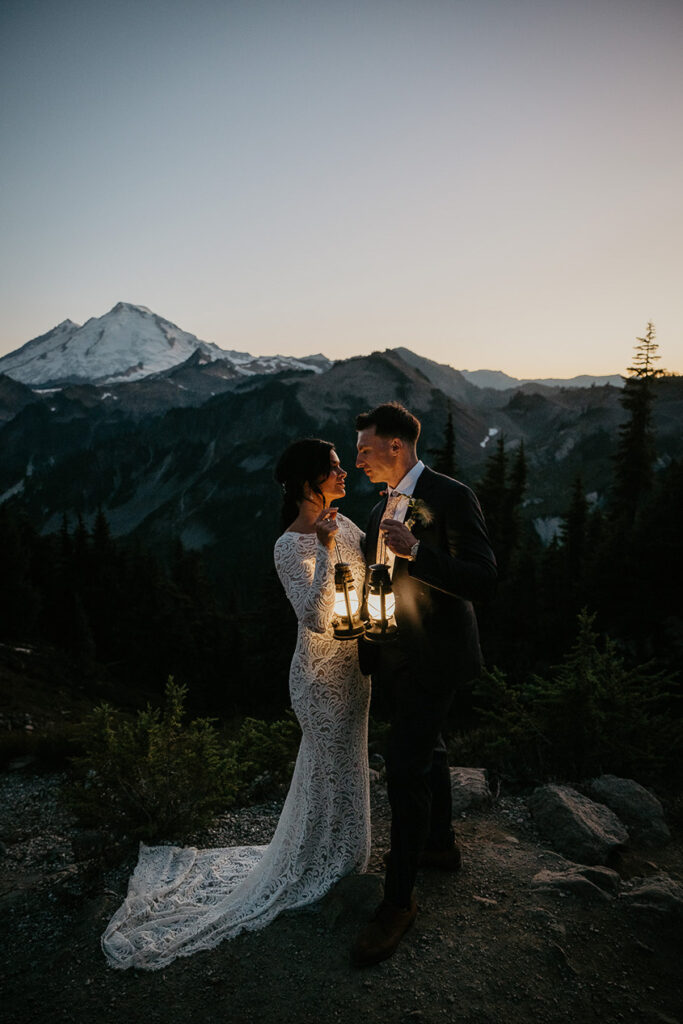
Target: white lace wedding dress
182, 900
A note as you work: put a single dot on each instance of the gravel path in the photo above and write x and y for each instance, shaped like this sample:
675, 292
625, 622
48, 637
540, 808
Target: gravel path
485, 947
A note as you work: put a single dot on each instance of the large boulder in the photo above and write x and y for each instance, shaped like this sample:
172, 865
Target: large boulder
659, 897
639, 809
469, 788
576, 826
588, 882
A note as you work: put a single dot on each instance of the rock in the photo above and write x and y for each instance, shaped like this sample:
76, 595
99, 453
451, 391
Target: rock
576, 826
469, 787
19, 763
639, 809
595, 882
659, 896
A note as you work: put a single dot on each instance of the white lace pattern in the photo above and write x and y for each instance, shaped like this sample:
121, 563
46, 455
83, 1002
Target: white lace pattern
182, 900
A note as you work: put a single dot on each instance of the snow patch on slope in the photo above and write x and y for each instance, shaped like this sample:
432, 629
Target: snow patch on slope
492, 433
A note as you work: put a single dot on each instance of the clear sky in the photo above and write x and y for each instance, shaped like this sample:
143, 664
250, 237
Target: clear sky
491, 183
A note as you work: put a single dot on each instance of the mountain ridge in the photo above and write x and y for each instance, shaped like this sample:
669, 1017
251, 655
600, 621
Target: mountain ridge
497, 380
159, 468
131, 343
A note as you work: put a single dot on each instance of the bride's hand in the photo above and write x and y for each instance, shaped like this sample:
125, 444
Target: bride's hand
326, 526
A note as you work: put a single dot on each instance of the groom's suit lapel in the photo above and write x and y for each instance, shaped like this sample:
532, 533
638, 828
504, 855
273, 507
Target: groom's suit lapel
424, 485
424, 491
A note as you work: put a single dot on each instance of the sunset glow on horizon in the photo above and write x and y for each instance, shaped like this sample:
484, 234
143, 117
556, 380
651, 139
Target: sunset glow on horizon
491, 185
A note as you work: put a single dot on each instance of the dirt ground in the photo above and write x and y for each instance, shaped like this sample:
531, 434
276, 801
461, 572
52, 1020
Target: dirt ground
485, 947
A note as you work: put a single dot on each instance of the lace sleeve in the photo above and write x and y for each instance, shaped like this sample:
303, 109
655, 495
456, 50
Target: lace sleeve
310, 591
358, 534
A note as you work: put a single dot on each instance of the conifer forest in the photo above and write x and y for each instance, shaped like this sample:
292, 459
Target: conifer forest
583, 641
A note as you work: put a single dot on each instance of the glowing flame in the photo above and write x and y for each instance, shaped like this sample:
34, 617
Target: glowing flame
375, 606
340, 602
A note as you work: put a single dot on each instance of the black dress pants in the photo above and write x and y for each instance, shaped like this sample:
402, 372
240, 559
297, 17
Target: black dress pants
418, 776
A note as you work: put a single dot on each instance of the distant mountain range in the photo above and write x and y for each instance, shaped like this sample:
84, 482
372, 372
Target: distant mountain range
502, 382
187, 448
131, 343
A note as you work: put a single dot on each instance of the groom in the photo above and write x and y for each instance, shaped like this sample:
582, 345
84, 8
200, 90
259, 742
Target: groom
438, 568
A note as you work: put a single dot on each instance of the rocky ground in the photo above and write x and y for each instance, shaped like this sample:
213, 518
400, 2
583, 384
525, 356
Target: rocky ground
487, 945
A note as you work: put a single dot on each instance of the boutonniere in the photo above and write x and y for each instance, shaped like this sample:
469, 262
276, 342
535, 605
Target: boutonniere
419, 513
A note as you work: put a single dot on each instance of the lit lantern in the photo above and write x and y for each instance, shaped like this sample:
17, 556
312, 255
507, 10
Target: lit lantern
347, 622
381, 605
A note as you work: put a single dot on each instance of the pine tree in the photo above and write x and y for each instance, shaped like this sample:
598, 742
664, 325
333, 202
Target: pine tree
501, 491
516, 486
635, 455
444, 460
80, 559
65, 543
574, 534
518, 477
491, 489
19, 600
101, 535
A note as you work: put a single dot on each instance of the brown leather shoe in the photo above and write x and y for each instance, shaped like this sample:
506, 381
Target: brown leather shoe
379, 939
442, 860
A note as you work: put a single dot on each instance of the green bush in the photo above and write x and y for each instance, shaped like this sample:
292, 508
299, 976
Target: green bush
592, 715
151, 776
264, 753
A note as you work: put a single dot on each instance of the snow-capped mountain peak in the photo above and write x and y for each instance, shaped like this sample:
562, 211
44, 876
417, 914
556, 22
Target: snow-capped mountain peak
126, 344
124, 307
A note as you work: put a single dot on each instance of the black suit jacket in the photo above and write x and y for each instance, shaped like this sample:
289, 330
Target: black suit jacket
455, 566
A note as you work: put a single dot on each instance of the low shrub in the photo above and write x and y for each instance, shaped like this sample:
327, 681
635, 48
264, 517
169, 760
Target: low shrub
592, 715
151, 776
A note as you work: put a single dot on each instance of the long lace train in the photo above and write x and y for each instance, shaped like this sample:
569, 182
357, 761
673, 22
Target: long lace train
182, 900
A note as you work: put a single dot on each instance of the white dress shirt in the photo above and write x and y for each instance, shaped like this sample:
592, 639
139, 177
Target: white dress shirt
397, 507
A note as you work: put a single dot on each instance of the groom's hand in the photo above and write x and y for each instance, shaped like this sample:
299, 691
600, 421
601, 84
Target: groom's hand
398, 537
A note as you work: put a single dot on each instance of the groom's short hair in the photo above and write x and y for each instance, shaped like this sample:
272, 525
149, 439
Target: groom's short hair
391, 419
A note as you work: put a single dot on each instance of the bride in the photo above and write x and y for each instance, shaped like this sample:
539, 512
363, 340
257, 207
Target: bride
182, 900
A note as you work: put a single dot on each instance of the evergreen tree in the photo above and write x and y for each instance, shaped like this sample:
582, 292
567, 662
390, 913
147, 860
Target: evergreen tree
492, 494
66, 546
500, 492
635, 455
518, 477
101, 535
81, 543
574, 535
19, 600
444, 460
516, 486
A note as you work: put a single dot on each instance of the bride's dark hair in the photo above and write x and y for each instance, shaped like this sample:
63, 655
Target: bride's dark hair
305, 462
